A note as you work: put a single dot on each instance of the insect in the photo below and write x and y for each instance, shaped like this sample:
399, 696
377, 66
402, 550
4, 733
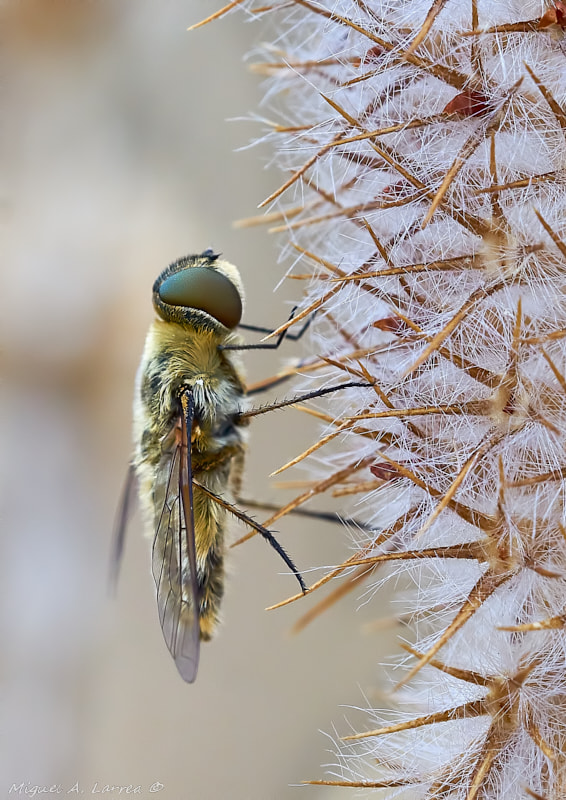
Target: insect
190, 438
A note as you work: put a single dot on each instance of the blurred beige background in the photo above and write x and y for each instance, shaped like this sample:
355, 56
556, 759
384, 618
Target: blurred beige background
117, 159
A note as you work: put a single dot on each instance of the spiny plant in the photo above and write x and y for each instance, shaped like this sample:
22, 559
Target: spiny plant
423, 146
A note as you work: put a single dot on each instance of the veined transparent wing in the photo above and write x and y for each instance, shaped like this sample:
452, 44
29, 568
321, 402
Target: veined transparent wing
125, 507
174, 552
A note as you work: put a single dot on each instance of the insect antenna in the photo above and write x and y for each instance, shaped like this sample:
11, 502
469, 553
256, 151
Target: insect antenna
267, 535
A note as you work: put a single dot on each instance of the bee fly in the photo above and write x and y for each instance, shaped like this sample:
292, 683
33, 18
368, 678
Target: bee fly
190, 437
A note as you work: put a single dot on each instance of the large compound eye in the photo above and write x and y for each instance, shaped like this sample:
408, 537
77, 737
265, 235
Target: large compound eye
205, 289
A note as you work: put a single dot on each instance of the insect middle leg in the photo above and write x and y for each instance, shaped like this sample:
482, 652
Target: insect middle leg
300, 398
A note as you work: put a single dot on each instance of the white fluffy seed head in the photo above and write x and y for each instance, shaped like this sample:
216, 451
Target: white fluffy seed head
426, 145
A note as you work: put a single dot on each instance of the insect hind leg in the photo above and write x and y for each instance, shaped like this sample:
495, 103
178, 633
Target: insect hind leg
267, 535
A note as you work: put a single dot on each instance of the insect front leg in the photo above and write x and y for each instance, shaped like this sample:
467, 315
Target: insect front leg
294, 337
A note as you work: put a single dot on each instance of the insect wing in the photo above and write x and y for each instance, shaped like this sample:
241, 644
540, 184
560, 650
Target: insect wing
127, 502
174, 559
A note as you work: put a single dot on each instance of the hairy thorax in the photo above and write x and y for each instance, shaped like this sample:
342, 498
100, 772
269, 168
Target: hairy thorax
176, 357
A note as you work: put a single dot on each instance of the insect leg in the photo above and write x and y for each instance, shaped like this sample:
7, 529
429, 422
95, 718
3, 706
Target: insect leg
325, 516
294, 337
122, 518
269, 384
300, 398
267, 535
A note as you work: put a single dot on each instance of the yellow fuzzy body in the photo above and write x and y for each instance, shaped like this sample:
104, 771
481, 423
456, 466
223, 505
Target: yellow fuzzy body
178, 355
